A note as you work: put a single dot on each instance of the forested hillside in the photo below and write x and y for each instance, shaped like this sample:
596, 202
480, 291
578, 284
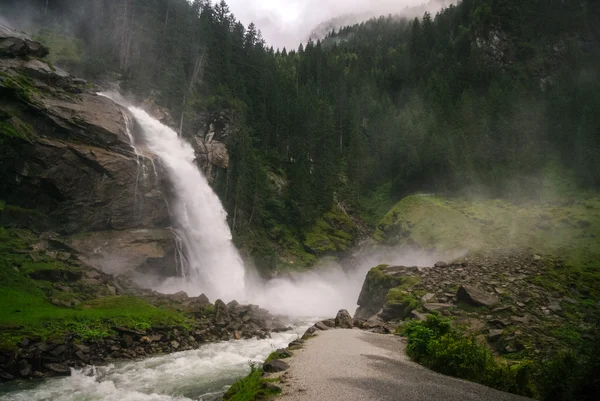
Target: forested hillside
488, 97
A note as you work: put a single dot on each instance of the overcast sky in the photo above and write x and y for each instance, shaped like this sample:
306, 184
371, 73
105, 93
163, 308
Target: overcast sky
289, 22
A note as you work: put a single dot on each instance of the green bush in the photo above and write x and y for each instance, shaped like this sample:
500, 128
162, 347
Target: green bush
572, 375
436, 344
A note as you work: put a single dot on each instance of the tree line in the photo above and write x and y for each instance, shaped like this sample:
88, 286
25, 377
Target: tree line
487, 96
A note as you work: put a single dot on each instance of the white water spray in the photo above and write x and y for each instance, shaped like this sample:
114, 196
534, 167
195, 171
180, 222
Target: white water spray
215, 267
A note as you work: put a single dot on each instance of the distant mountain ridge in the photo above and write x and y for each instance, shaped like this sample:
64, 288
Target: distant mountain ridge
324, 28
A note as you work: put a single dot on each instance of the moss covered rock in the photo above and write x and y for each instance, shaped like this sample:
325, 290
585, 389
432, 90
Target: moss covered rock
383, 286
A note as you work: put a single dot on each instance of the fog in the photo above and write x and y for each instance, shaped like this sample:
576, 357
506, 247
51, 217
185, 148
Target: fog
287, 23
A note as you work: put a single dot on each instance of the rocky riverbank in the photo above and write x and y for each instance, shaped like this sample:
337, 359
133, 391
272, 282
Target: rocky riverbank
510, 300
59, 313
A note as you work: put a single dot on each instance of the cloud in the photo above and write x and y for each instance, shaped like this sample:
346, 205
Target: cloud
290, 22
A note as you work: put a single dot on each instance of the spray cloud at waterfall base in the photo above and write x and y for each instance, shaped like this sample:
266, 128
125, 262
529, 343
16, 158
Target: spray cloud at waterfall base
214, 266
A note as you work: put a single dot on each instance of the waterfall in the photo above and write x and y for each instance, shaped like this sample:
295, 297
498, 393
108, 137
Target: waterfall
215, 267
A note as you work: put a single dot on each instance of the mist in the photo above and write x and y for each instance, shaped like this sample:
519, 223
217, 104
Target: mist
287, 23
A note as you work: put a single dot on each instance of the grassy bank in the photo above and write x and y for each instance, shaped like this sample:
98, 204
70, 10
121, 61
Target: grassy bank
43, 297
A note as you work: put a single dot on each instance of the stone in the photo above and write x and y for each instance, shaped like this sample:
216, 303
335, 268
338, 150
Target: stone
276, 365
441, 264
83, 348
344, 320
16, 44
127, 340
203, 299
427, 297
432, 307
59, 350
321, 326
554, 306
495, 334
421, 317
237, 335
58, 368
175, 344
520, 319
476, 296
24, 368
221, 311
283, 353
396, 311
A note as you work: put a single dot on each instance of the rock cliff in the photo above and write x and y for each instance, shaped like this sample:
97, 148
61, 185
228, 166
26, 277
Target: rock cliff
67, 165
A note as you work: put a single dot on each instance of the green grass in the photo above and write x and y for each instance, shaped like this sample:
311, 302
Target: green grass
567, 228
276, 355
251, 388
27, 311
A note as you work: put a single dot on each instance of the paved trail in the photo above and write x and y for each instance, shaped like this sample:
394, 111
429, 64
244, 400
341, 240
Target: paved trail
352, 365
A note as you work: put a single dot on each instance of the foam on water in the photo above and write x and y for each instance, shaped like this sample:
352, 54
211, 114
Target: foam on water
198, 375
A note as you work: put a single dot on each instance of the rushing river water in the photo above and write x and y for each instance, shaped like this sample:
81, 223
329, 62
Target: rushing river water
199, 375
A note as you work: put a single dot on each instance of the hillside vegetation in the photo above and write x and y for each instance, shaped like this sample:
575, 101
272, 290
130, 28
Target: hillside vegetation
482, 97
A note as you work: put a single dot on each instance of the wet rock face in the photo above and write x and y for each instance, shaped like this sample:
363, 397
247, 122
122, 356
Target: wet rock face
16, 44
130, 252
212, 134
68, 153
66, 161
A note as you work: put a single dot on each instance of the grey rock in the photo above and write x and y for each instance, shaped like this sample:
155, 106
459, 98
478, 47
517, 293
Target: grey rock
476, 296
427, 297
495, 335
59, 350
16, 44
344, 320
58, 368
421, 317
441, 264
24, 368
275, 365
554, 306
432, 307
321, 326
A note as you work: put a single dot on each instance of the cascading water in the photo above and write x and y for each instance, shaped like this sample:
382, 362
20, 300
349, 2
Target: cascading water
215, 267
198, 375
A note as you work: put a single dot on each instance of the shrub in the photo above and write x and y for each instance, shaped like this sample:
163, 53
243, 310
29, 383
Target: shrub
436, 344
572, 375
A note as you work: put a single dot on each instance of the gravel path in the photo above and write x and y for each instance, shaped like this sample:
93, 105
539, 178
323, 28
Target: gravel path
353, 365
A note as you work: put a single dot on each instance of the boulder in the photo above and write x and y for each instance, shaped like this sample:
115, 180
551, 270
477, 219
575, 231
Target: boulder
58, 368
495, 334
24, 368
378, 282
321, 326
221, 312
16, 44
396, 311
344, 320
432, 307
276, 365
476, 296
421, 317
